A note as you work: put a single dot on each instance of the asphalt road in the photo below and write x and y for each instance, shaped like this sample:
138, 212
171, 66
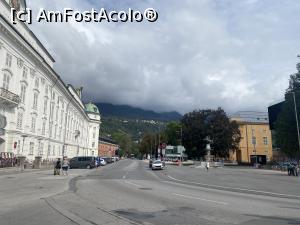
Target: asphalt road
128, 192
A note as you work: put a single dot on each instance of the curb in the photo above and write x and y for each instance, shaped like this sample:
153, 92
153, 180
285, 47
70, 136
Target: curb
236, 190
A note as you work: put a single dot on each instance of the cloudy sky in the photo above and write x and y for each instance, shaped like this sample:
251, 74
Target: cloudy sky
237, 54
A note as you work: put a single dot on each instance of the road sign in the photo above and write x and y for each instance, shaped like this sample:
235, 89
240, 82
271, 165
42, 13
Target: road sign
163, 146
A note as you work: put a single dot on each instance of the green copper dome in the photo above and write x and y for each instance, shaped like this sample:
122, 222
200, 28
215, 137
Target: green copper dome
91, 108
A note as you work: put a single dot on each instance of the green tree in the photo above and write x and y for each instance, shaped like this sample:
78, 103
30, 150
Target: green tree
286, 127
147, 145
150, 143
215, 124
125, 142
173, 133
225, 134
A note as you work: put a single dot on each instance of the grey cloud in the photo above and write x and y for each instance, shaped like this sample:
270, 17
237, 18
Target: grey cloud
199, 54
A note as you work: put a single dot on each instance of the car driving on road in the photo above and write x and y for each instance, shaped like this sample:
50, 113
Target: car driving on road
157, 165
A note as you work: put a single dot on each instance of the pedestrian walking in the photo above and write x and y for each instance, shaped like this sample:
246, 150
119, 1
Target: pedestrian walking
207, 166
65, 166
57, 167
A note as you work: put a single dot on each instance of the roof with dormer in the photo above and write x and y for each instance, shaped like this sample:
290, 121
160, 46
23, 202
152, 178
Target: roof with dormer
91, 108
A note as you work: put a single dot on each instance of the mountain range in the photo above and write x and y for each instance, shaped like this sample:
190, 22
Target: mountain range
126, 111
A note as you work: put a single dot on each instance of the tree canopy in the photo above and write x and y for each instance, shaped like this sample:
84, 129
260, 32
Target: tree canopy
125, 142
200, 124
173, 133
286, 127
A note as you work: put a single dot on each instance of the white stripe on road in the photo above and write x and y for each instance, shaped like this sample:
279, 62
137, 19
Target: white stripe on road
250, 191
124, 177
128, 182
202, 199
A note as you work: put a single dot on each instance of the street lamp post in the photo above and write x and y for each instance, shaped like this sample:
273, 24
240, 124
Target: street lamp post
254, 144
296, 116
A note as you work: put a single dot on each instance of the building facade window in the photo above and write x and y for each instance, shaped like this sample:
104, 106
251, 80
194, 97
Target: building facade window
33, 122
6, 80
265, 140
94, 132
23, 93
51, 110
56, 114
25, 72
35, 100
31, 148
59, 134
46, 90
254, 140
43, 127
8, 60
19, 120
50, 130
45, 106
55, 130
61, 116
36, 83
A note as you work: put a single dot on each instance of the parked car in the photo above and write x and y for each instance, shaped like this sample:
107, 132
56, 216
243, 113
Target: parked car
102, 162
83, 162
157, 164
107, 159
115, 158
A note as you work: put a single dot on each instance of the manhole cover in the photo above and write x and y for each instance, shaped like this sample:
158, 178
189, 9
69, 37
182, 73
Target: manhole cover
147, 189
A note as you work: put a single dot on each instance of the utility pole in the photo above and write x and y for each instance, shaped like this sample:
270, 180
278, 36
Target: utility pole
296, 116
151, 147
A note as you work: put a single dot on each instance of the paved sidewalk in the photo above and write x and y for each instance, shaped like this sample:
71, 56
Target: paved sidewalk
14, 170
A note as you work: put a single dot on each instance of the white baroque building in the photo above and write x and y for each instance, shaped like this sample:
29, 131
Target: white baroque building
44, 117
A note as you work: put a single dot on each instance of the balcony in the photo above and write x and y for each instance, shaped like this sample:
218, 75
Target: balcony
8, 98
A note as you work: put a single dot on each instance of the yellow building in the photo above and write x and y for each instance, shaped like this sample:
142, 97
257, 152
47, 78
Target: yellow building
256, 141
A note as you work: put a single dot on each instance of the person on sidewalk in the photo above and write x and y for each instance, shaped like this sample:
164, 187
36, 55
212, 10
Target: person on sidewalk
207, 166
65, 166
57, 167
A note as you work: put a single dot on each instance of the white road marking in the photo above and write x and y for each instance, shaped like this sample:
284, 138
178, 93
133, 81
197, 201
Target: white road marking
238, 189
202, 199
124, 177
128, 182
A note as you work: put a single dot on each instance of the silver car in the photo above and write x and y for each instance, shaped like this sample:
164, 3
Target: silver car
157, 165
